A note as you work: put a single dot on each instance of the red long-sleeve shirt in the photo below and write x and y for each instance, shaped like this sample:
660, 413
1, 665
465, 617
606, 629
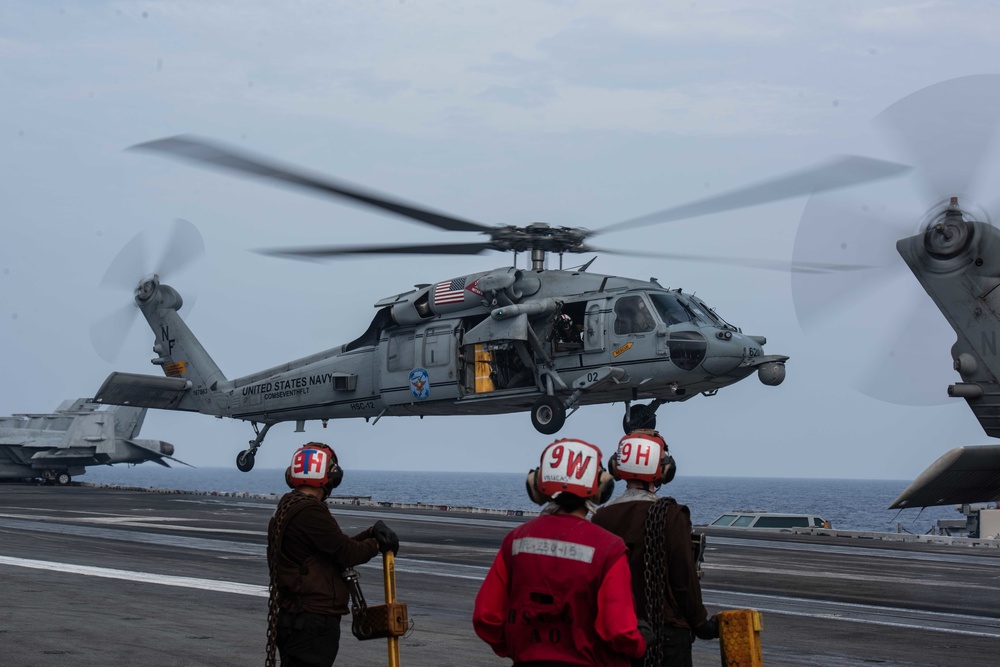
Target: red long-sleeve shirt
544, 600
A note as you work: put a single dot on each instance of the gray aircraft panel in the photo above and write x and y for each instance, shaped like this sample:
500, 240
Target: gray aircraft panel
964, 475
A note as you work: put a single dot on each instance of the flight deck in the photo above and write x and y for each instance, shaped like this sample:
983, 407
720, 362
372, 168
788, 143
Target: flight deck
97, 576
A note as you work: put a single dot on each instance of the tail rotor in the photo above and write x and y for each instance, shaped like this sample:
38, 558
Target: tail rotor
182, 246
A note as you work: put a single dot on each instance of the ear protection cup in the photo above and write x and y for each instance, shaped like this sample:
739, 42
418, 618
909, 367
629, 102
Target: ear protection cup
613, 467
288, 477
531, 485
669, 469
606, 486
336, 475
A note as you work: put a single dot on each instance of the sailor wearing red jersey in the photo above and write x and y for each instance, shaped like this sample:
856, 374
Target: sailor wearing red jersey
559, 591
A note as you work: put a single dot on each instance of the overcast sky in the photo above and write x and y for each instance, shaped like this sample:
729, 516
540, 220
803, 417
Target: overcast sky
573, 113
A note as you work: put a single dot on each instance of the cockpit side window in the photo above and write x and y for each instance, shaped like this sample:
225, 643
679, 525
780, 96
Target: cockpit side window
632, 316
670, 309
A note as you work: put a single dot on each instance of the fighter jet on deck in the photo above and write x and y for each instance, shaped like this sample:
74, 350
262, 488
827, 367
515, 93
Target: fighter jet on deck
56, 446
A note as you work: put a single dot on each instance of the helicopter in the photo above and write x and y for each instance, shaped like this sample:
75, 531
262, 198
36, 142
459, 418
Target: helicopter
504, 340
946, 241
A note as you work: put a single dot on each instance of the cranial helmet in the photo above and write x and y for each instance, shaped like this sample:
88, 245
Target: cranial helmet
643, 455
314, 464
570, 466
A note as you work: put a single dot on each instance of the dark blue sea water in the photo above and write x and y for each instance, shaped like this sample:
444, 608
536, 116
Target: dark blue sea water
848, 504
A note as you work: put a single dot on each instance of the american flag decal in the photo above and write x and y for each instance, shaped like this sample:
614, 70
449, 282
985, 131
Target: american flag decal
449, 292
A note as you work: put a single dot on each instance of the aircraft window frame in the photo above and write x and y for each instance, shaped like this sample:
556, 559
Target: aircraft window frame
637, 320
400, 352
437, 346
681, 314
706, 312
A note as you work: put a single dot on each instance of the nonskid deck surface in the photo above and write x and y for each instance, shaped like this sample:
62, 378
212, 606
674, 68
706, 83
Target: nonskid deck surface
95, 576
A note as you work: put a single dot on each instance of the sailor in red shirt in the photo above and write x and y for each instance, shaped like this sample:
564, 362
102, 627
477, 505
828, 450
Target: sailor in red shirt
559, 591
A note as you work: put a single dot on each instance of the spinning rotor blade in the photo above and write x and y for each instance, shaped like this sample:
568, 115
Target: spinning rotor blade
767, 264
109, 334
201, 150
947, 130
842, 172
319, 252
184, 247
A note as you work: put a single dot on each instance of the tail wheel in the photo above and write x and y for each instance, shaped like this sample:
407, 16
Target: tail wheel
245, 460
639, 416
548, 415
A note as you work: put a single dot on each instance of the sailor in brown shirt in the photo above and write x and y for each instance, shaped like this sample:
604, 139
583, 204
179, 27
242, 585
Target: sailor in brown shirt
306, 552
668, 596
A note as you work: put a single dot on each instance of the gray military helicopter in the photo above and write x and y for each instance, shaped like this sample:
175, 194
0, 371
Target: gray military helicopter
498, 341
59, 445
947, 131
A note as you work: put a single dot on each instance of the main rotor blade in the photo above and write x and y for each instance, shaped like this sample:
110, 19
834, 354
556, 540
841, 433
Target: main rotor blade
947, 130
768, 264
320, 252
200, 150
841, 172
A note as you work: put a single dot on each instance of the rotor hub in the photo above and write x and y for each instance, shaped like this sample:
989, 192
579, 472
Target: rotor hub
147, 287
539, 236
948, 230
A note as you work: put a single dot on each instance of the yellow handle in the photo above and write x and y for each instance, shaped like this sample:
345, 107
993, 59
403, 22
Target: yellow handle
389, 579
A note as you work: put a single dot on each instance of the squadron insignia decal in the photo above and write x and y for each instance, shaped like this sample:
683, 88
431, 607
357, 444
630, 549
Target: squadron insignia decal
420, 384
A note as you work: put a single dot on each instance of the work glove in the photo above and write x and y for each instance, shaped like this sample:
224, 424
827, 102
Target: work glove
386, 538
709, 629
646, 630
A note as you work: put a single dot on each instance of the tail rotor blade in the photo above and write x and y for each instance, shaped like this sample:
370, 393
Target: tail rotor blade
109, 334
184, 247
947, 130
845, 231
914, 365
128, 266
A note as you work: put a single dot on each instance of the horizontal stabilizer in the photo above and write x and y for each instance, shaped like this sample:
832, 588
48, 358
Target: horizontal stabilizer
963, 476
157, 454
142, 391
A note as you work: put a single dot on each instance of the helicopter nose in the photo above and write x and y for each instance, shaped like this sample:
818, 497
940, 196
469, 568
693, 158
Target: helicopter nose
726, 352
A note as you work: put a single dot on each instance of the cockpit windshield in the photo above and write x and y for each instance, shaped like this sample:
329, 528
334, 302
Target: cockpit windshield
703, 311
670, 308
712, 316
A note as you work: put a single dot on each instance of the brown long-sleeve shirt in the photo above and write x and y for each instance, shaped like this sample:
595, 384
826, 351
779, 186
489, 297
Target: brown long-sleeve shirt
314, 551
626, 517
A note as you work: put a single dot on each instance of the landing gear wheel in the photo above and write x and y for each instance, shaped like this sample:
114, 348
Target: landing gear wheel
245, 460
642, 416
548, 415
63, 478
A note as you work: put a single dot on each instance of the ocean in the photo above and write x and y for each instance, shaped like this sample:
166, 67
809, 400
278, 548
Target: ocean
847, 504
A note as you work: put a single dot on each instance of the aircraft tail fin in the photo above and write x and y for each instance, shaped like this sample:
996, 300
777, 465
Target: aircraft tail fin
179, 353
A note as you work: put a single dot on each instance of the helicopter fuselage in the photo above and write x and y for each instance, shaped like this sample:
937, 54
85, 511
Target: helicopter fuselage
486, 343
